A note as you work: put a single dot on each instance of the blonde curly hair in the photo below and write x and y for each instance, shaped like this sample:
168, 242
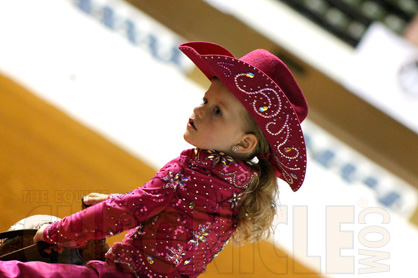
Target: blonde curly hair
257, 206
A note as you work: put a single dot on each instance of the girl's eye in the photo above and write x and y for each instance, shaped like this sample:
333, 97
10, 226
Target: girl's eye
205, 101
217, 111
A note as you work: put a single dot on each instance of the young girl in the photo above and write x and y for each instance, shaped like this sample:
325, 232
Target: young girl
246, 133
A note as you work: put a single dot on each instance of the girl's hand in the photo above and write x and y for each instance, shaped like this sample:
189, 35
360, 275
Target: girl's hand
39, 236
94, 198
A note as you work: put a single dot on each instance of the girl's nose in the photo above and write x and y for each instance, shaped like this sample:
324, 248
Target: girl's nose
198, 111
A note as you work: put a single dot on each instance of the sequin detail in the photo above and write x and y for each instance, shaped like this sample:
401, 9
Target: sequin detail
220, 157
231, 171
234, 200
268, 104
265, 97
250, 74
183, 219
222, 247
240, 179
47, 235
200, 235
138, 231
263, 108
175, 254
116, 196
150, 260
225, 65
174, 181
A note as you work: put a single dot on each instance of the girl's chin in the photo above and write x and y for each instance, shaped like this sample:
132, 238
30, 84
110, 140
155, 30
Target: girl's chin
186, 138
193, 144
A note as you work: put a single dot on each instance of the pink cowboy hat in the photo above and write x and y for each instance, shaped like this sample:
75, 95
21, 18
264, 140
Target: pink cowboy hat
268, 90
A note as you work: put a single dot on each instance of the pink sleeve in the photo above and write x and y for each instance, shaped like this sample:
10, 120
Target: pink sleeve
118, 213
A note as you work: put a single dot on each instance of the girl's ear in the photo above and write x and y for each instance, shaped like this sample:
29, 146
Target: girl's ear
247, 143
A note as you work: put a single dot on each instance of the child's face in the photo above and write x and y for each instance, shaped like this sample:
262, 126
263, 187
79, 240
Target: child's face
217, 124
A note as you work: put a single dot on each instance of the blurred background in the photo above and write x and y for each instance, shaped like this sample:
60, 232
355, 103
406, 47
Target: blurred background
95, 96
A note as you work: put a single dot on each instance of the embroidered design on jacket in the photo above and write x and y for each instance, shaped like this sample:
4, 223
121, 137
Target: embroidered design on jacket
200, 235
176, 254
175, 180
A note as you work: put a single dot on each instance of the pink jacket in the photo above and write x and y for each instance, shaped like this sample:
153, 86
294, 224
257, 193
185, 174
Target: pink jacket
178, 221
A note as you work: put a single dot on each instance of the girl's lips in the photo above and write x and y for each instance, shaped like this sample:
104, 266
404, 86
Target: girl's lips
191, 124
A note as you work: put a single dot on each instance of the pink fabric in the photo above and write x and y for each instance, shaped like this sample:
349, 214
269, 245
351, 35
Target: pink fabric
178, 221
96, 269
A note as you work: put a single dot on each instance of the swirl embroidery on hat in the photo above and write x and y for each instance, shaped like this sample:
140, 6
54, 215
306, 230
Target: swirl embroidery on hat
285, 126
225, 65
279, 147
265, 110
288, 176
270, 107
